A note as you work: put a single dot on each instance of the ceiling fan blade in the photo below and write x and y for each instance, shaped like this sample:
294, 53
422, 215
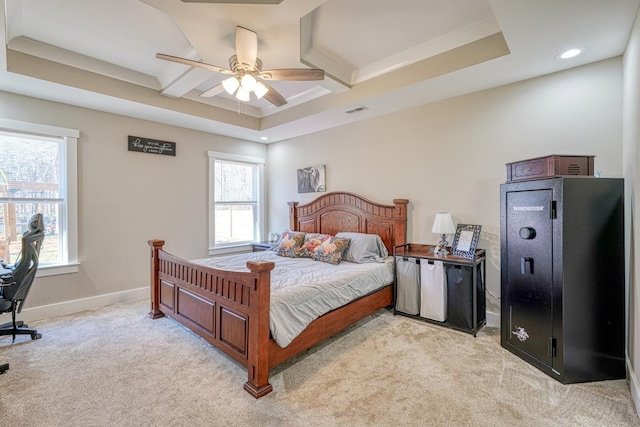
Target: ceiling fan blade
193, 63
246, 47
293, 74
274, 97
216, 90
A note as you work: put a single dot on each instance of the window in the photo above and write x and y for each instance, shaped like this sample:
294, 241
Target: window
236, 201
38, 175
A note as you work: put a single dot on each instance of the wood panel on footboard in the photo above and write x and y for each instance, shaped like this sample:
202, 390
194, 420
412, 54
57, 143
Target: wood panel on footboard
230, 309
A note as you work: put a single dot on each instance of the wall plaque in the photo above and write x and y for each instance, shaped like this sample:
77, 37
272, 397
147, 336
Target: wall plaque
153, 146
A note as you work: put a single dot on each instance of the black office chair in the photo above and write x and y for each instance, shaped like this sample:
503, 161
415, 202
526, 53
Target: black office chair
18, 278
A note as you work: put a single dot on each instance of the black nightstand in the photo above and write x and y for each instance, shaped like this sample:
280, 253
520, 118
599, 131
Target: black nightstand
261, 246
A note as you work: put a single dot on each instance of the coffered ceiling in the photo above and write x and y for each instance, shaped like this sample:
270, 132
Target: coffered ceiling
378, 56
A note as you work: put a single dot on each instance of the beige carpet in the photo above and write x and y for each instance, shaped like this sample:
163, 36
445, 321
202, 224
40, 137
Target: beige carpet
117, 367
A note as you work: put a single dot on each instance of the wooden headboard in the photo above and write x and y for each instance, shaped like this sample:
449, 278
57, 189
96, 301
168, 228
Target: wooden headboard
332, 213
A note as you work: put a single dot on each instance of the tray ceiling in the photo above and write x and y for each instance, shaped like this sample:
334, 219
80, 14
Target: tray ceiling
385, 56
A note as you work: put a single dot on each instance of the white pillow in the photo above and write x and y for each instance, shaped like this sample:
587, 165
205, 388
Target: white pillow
364, 248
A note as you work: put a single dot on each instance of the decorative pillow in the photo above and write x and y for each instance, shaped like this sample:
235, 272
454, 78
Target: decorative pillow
311, 242
364, 248
290, 243
330, 250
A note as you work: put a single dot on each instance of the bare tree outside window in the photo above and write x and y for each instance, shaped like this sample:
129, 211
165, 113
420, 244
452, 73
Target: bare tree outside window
30, 175
236, 202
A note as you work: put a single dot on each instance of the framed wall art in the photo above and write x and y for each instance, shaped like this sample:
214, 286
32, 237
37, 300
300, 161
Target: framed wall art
466, 240
311, 179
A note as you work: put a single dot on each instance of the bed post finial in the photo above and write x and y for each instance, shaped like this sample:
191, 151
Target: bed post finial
400, 215
401, 207
293, 215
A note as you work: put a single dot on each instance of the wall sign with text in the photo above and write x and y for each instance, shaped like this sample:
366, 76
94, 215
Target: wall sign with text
153, 146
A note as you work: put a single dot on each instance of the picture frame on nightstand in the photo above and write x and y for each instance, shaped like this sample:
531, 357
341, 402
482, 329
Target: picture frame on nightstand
466, 240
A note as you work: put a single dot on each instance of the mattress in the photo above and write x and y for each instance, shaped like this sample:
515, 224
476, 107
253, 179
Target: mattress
303, 289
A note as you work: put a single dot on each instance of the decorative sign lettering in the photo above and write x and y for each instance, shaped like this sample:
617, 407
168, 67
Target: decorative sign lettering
152, 146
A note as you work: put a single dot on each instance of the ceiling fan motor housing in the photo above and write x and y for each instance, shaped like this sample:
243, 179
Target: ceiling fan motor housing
240, 68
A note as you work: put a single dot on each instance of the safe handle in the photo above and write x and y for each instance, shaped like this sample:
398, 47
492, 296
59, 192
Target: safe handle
524, 262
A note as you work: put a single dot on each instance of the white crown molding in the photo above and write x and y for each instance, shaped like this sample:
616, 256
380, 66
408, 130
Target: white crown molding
429, 49
62, 56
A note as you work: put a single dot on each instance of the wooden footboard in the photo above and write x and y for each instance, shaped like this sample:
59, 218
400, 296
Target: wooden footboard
227, 308
230, 309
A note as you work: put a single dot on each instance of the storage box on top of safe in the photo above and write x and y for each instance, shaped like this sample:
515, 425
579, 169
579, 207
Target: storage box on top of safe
550, 166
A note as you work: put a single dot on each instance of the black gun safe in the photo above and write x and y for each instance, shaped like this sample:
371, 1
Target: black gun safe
562, 276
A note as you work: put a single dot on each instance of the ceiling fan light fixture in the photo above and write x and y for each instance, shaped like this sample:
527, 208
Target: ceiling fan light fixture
260, 90
230, 85
245, 68
248, 82
243, 94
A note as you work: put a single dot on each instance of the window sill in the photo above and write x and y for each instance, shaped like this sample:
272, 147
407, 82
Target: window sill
55, 270
230, 250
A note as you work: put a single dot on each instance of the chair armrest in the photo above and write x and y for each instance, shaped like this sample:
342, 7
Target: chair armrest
6, 278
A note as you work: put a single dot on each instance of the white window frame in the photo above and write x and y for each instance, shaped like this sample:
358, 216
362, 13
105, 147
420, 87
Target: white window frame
69, 188
261, 222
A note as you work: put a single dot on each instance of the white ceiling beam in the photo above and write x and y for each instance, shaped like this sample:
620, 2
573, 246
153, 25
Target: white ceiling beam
186, 82
477, 31
339, 75
82, 62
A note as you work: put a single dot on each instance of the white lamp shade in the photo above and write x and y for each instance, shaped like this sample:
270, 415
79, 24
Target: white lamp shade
242, 94
230, 85
443, 224
248, 82
260, 90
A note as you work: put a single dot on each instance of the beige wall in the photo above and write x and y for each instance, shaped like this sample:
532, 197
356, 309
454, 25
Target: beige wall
451, 155
126, 198
631, 140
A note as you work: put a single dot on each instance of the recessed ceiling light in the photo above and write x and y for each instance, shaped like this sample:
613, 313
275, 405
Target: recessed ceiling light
570, 53
263, 138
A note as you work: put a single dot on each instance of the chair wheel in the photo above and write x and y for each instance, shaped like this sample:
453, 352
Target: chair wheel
36, 336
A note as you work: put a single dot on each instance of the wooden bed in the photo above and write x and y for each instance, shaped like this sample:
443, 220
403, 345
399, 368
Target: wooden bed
230, 309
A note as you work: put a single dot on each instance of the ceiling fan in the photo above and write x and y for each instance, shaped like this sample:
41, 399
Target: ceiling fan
246, 73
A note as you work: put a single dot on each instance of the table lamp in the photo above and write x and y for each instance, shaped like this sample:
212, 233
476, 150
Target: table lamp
443, 225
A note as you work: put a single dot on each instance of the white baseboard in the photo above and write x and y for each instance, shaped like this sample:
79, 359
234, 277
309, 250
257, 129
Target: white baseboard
634, 385
74, 306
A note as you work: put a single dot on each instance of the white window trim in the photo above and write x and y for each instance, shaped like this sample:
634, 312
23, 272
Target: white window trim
70, 137
213, 156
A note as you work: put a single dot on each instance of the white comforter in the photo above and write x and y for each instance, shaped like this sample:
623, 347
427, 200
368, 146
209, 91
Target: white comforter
303, 289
